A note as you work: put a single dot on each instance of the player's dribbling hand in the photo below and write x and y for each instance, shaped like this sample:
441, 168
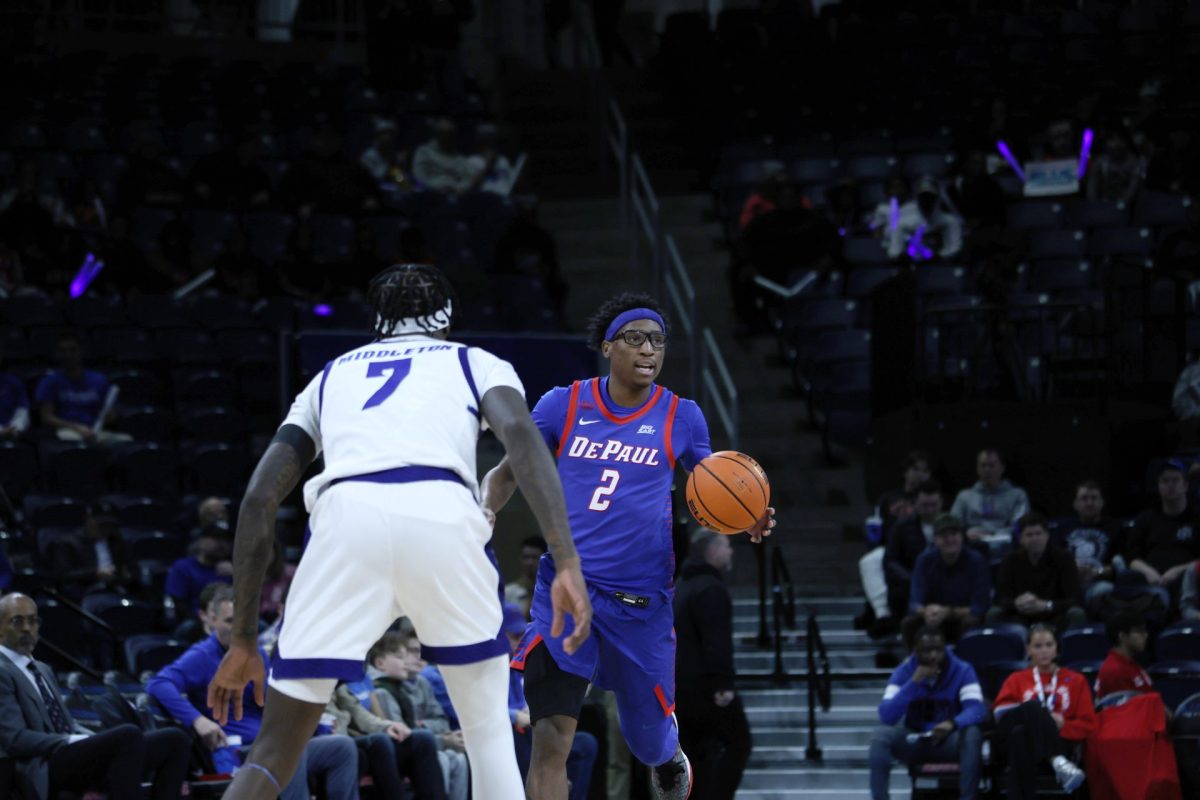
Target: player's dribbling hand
568, 595
242, 664
763, 527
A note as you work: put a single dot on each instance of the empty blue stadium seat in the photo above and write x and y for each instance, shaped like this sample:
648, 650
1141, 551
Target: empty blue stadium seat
1057, 244
864, 280
1096, 214
871, 167
1088, 643
1057, 275
1179, 642
932, 281
1175, 680
992, 643
1160, 208
147, 468
1035, 214
1121, 242
863, 250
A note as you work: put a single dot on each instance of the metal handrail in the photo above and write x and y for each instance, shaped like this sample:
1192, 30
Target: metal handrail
783, 608
820, 684
726, 405
681, 294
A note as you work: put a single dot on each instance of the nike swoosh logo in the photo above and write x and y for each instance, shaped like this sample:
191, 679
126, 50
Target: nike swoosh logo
588, 421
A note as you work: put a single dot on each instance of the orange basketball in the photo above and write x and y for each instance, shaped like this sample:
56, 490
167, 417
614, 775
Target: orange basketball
728, 492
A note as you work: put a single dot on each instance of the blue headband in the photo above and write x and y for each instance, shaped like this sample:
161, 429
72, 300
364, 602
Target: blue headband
630, 316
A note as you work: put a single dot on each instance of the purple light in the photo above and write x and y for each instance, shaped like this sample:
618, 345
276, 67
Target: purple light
917, 250
1010, 158
88, 271
893, 213
1085, 150
322, 310
842, 232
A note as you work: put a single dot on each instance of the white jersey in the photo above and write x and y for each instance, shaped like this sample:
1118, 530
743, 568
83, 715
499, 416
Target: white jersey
404, 401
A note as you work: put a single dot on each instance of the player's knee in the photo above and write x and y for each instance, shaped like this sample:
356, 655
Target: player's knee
552, 737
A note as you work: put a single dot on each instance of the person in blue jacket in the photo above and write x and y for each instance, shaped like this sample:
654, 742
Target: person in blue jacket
931, 711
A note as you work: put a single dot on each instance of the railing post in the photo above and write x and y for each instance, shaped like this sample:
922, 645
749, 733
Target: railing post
813, 751
760, 555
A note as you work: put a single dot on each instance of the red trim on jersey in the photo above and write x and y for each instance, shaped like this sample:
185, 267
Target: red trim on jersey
662, 701
611, 417
518, 659
570, 423
668, 428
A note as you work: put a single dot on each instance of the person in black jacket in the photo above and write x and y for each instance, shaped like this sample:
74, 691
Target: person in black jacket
906, 540
712, 721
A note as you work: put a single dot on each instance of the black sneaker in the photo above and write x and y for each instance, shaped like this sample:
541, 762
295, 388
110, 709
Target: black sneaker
672, 780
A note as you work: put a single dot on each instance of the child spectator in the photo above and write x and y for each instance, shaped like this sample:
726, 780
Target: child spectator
1120, 672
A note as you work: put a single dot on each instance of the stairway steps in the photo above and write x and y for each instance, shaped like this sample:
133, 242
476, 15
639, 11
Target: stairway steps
802, 782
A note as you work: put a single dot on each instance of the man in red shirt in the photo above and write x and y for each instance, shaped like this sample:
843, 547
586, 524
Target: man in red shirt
1120, 672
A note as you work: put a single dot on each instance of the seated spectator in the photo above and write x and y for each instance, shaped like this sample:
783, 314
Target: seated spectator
52, 751
182, 689
14, 406
1165, 541
32, 215
417, 753
429, 715
992, 506
1094, 540
75, 402
1117, 171
519, 592
383, 160
906, 541
1038, 582
212, 519
437, 164
925, 230
527, 248
843, 210
765, 198
950, 584
188, 576
1185, 397
493, 171
373, 736
896, 504
886, 215
324, 179
92, 560
1042, 714
931, 710
1120, 672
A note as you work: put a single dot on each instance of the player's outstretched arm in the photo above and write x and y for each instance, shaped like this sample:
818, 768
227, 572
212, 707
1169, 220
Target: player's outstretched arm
530, 464
277, 473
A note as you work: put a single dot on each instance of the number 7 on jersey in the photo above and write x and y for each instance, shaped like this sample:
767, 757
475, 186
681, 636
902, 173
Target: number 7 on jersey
397, 370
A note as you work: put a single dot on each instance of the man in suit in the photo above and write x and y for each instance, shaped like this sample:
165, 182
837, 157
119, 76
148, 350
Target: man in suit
92, 560
52, 751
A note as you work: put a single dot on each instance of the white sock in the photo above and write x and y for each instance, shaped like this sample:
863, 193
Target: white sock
479, 693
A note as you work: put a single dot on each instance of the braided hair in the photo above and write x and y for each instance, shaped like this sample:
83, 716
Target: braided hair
612, 308
418, 296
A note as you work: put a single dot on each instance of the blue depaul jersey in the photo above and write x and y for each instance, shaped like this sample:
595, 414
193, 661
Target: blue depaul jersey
616, 466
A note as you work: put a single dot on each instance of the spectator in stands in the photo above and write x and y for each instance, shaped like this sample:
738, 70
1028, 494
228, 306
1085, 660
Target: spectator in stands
765, 198
417, 752
892, 505
492, 170
430, 716
906, 541
1038, 582
843, 210
302, 274
1042, 714
931, 710
172, 257
951, 587
712, 721
324, 179
437, 164
88, 212
75, 402
30, 213
1120, 672
992, 506
926, 230
1117, 171
232, 179
212, 518
189, 575
1094, 540
1165, 541
92, 560
51, 750
14, 406
383, 160
182, 689
373, 736
886, 215
519, 592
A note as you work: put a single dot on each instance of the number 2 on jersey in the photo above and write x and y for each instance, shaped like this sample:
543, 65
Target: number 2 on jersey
608, 484
395, 370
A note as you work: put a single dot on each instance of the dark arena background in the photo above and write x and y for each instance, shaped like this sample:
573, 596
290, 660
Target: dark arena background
896, 240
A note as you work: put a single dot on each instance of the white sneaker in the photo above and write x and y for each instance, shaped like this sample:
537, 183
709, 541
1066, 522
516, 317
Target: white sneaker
672, 780
1070, 777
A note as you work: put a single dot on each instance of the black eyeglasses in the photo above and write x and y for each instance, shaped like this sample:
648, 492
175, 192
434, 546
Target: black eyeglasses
635, 338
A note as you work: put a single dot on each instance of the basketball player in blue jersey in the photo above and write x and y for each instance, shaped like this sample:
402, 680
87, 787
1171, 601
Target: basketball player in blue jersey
617, 440
396, 529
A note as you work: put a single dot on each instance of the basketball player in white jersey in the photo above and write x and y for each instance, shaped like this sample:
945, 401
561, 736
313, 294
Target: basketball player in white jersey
396, 529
